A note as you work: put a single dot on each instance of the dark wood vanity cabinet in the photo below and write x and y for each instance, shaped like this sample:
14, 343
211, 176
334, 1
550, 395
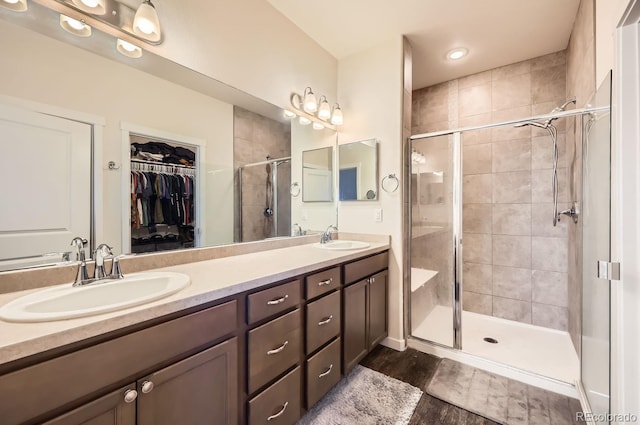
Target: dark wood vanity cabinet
364, 308
260, 357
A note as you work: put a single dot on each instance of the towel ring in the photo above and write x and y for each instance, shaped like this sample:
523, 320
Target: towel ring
390, 183
294, 190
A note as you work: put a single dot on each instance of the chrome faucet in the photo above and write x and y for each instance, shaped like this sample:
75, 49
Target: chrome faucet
102, 251
326, 236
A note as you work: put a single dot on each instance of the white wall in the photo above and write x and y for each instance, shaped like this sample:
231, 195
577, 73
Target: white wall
608, 15
246, 44
370, 88
40, 69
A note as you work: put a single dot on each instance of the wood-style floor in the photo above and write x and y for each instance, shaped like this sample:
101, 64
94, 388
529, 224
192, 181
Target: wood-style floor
416, 368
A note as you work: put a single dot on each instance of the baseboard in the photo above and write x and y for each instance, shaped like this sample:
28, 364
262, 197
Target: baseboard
395, 344
500, 369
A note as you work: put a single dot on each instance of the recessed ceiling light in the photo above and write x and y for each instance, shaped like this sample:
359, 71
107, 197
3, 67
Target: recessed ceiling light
457, 53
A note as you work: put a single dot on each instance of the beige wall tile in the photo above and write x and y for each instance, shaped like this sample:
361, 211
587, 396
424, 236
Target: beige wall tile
511, 70
474, 100
509, 132
550, 316
549, 288
477, 189
511, 92
542, 221
476, 159
512, 188
512, 155
542, 152
476, 137
549, 254
512, 251
477, 248
542, 187
512, 219
476, 218
509, 309
552, 59
477, 303
511, 282
546, 108
477, 278
549, 84
475, 79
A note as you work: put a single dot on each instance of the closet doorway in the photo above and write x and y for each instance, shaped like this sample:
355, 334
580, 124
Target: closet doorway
162, 205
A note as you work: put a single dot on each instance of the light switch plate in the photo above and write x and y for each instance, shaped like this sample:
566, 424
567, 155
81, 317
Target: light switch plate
377, 215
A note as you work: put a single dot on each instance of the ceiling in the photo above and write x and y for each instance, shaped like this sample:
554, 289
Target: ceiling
496, 32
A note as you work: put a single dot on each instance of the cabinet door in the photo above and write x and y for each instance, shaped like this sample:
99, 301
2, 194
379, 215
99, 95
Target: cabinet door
355, 324
377, 308
116, 408
202, 389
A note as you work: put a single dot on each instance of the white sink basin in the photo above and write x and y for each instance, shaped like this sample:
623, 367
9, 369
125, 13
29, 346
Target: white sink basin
342, 245
66, 301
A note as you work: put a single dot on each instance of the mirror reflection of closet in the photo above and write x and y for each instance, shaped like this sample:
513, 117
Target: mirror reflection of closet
358, 171
317, 175
164, 202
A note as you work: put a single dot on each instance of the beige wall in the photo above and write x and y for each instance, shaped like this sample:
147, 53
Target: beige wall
515, 261
61, 75
370, 88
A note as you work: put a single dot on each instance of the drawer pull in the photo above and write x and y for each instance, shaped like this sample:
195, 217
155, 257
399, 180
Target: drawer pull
277, 301
325, 321
325, 282
277, 415
326, 372
277, 350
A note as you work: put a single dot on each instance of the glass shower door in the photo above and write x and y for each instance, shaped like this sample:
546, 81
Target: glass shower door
433, 227
596, 225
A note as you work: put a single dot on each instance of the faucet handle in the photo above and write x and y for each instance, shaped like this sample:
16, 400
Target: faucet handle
79, 243
116, 272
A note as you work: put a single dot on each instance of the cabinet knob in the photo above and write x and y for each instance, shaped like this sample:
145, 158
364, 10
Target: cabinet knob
147, 387
130, 396
276, 415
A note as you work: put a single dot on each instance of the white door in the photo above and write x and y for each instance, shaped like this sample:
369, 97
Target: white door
45, 183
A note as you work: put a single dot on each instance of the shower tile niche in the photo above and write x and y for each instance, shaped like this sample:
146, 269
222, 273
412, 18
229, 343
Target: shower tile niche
515, 261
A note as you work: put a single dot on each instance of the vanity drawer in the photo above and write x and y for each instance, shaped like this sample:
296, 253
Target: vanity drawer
273, 300
323, 282
323, 320
273, 348
45, 387
323, 372
279, 404
360, 269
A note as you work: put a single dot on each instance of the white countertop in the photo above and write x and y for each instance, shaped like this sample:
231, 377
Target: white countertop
210, 281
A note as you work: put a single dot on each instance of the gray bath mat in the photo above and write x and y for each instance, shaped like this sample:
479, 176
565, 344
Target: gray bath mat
500, 399
365, 397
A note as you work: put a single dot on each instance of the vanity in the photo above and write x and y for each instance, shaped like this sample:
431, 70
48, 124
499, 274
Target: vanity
256, 338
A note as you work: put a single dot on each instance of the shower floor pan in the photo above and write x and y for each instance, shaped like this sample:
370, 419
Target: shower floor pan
543, 351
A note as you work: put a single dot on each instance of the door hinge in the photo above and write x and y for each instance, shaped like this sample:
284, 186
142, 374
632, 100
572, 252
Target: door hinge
608, 270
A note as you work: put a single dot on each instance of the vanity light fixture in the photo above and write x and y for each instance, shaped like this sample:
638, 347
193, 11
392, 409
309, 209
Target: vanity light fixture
457, 53
304, 120
15, 5
95, 7
146, 23
309, 102
289, 114
128, 49
324, 110
75, 27
336, 116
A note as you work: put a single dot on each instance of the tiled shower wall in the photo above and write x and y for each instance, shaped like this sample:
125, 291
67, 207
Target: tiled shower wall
581, 83
515, 261
254, 138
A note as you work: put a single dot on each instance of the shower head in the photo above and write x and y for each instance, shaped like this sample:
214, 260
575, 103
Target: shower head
534, 123
562, 107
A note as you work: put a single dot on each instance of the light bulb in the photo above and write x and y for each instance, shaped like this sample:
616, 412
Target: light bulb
146, 23
324, 111
128, 49
304, 121
75, 24
75, 27
95, 7
309, 103
336, 117
11, 1
458, 53
288, 114
317, 126
15, 5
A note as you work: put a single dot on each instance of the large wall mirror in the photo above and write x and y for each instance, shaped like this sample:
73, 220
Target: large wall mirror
358, 171
235, 156
317, 175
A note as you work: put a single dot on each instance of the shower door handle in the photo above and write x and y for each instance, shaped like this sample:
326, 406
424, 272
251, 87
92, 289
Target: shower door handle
607, 270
